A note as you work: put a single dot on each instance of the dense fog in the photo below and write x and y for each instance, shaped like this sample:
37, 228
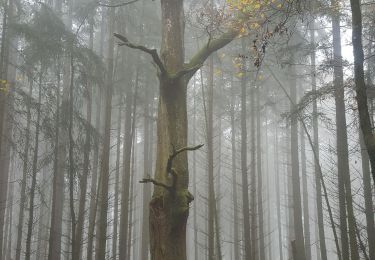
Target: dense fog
187, 130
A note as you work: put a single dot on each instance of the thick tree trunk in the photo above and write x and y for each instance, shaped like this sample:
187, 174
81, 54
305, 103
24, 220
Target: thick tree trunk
169, 210
169, 207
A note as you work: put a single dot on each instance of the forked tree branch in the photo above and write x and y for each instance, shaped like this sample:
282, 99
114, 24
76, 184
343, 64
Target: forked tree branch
170, 170
153, 52
211, 46
177, 152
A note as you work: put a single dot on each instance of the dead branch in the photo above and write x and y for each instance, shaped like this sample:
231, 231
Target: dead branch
187, 71
170, 170
153, 52
156, 183
117, 5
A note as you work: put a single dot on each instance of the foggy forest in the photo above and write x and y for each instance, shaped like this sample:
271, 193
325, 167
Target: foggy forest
187, 130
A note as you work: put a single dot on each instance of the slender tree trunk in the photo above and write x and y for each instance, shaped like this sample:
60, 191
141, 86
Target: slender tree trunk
95, 166
101, 237
34, 171
117, 180
131, 209
77, 246
94, 179
306, 215
278, 195
253, 182
72, 175
5, 155
236, 239
5, 105
345, 197
370, 227
54, 249
24, 175
42, 247
147, 166
262, 255
128, 141
8, 246
3, 75
318, 188
296, 191
244, 169
359, 78
210, 157
195, 216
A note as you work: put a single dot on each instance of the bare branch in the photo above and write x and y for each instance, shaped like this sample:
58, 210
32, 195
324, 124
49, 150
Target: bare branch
156, 183
211, 46
152, 52
177, 152
187, 71
170, 170
117, 5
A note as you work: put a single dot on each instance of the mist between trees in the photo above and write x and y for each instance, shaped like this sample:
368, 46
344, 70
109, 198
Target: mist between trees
187, 129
